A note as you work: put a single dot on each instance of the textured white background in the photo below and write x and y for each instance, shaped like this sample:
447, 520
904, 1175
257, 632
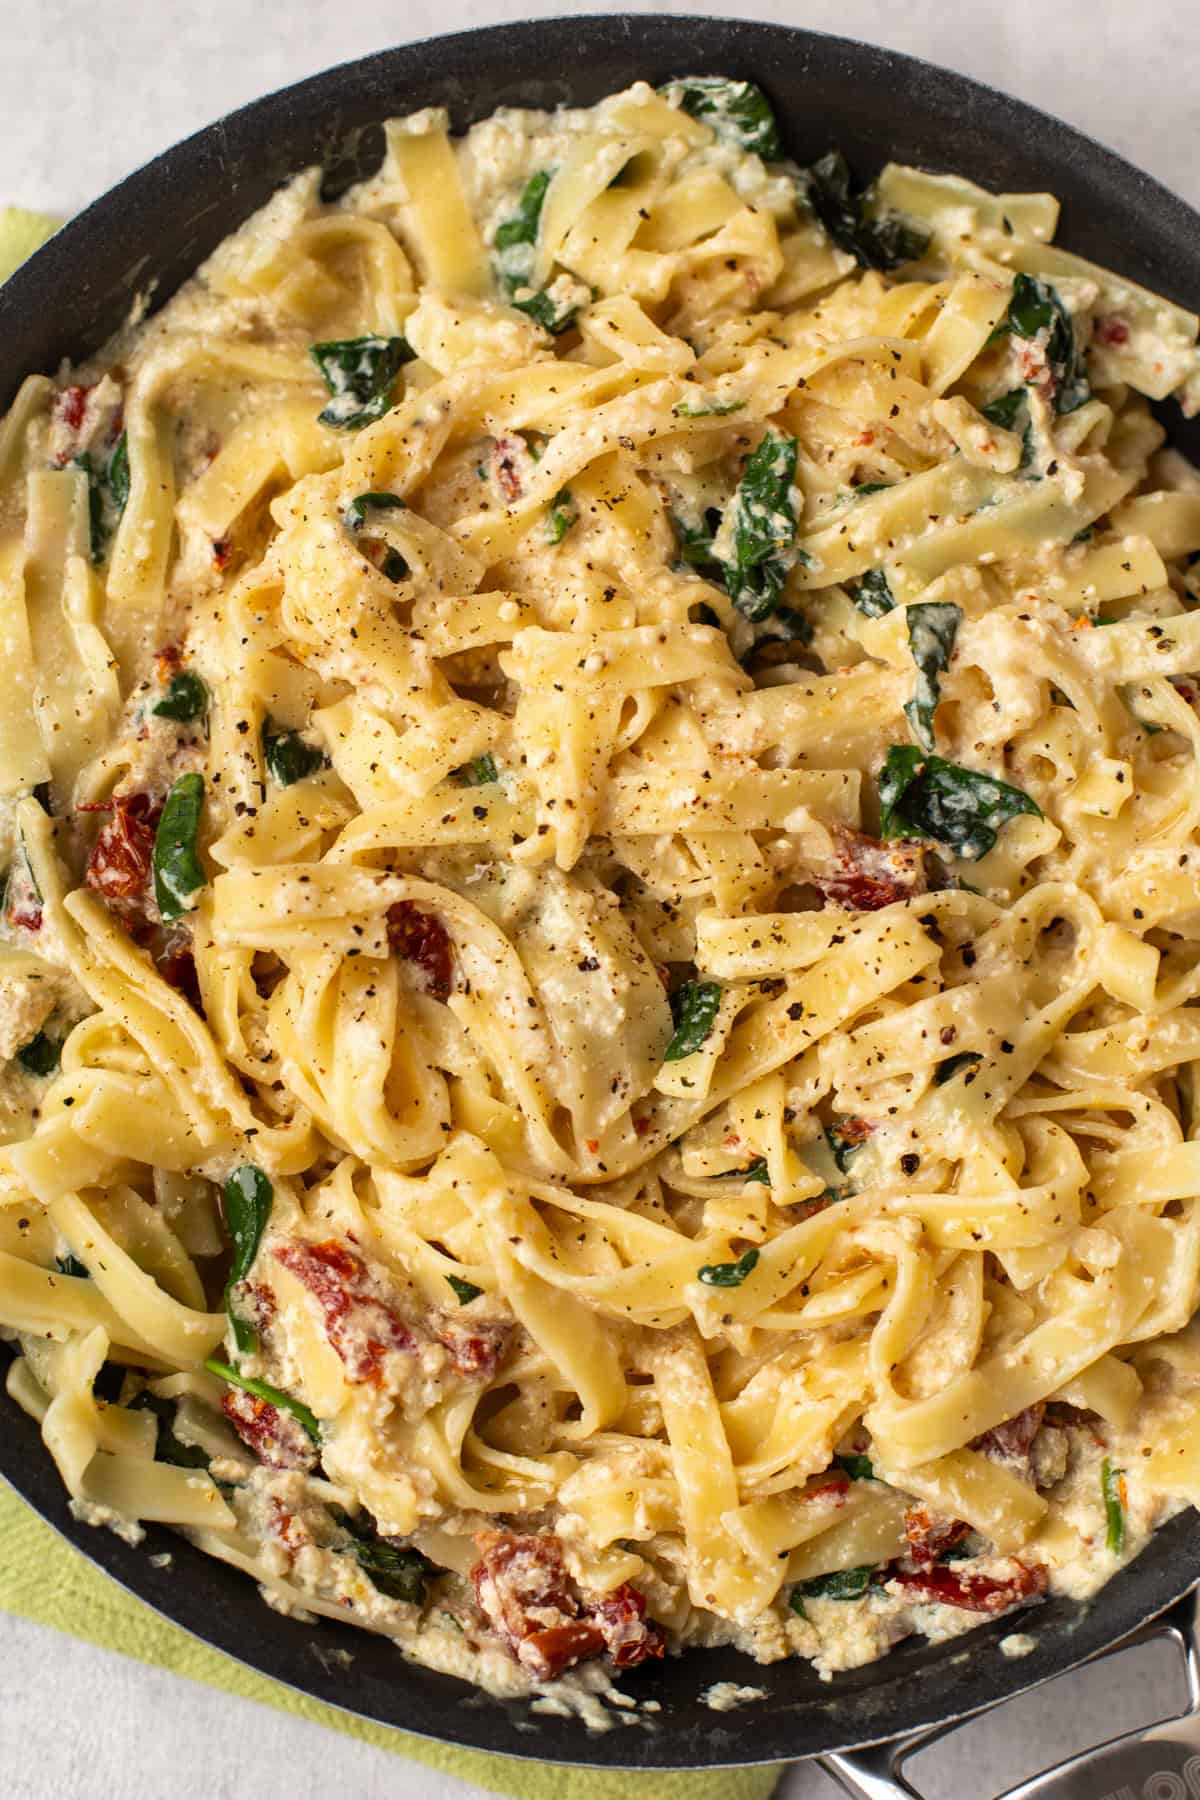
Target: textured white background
89, 89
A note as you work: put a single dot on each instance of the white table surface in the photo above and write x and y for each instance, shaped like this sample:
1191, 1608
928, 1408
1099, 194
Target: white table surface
89, 89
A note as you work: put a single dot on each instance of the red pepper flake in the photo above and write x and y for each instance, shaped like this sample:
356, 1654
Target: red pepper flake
1112, 330
221, 553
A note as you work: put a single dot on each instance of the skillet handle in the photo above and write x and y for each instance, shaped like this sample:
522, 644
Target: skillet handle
1155, 1762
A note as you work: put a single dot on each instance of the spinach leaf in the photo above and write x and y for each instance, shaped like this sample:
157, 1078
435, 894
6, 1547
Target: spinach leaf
1112, 1488
71, 1265
393, 565
872, 594
288, 757
186, 698
1006, 409
738, 111
465, 1290
876, 241
1036, 308
390, 563
356, 513
515, 243
118, 474
1011, 411
360, 374
713, 409
394, 1569
858, 1468
845, 1138
248, 1197
730, 1274
949, 1066
178, 872
693, 1008
22, 899
696, 541
753, 1171
561, 516
926, 796
553, 315
108, 492
842, 1584
168, 1448
479, 772
41, 1055
262, 1390
932, 628
784, 626
763, 534
871, 487
516, 237
97, 526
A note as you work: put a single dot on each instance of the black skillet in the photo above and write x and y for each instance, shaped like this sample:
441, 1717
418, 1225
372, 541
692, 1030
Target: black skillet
157, 225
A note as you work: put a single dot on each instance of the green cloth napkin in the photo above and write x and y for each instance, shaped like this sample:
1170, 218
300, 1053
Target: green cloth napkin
21, 233
44, 1578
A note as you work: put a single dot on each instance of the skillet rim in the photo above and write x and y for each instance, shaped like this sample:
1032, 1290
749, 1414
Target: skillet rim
854, 1710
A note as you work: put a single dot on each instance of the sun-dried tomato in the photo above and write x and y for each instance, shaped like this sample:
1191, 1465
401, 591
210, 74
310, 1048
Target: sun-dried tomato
71, 406
853, 1132
1012, 1441
525, 1593
870, 873
121, 859
508, 452
421, 938
475, 1349
929, 1537
176, 963
628, 1637
274, 1436
834, 1487
360, 1326
974, 1593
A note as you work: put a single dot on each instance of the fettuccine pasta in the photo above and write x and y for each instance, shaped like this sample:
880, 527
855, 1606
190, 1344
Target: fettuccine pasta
599, 964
